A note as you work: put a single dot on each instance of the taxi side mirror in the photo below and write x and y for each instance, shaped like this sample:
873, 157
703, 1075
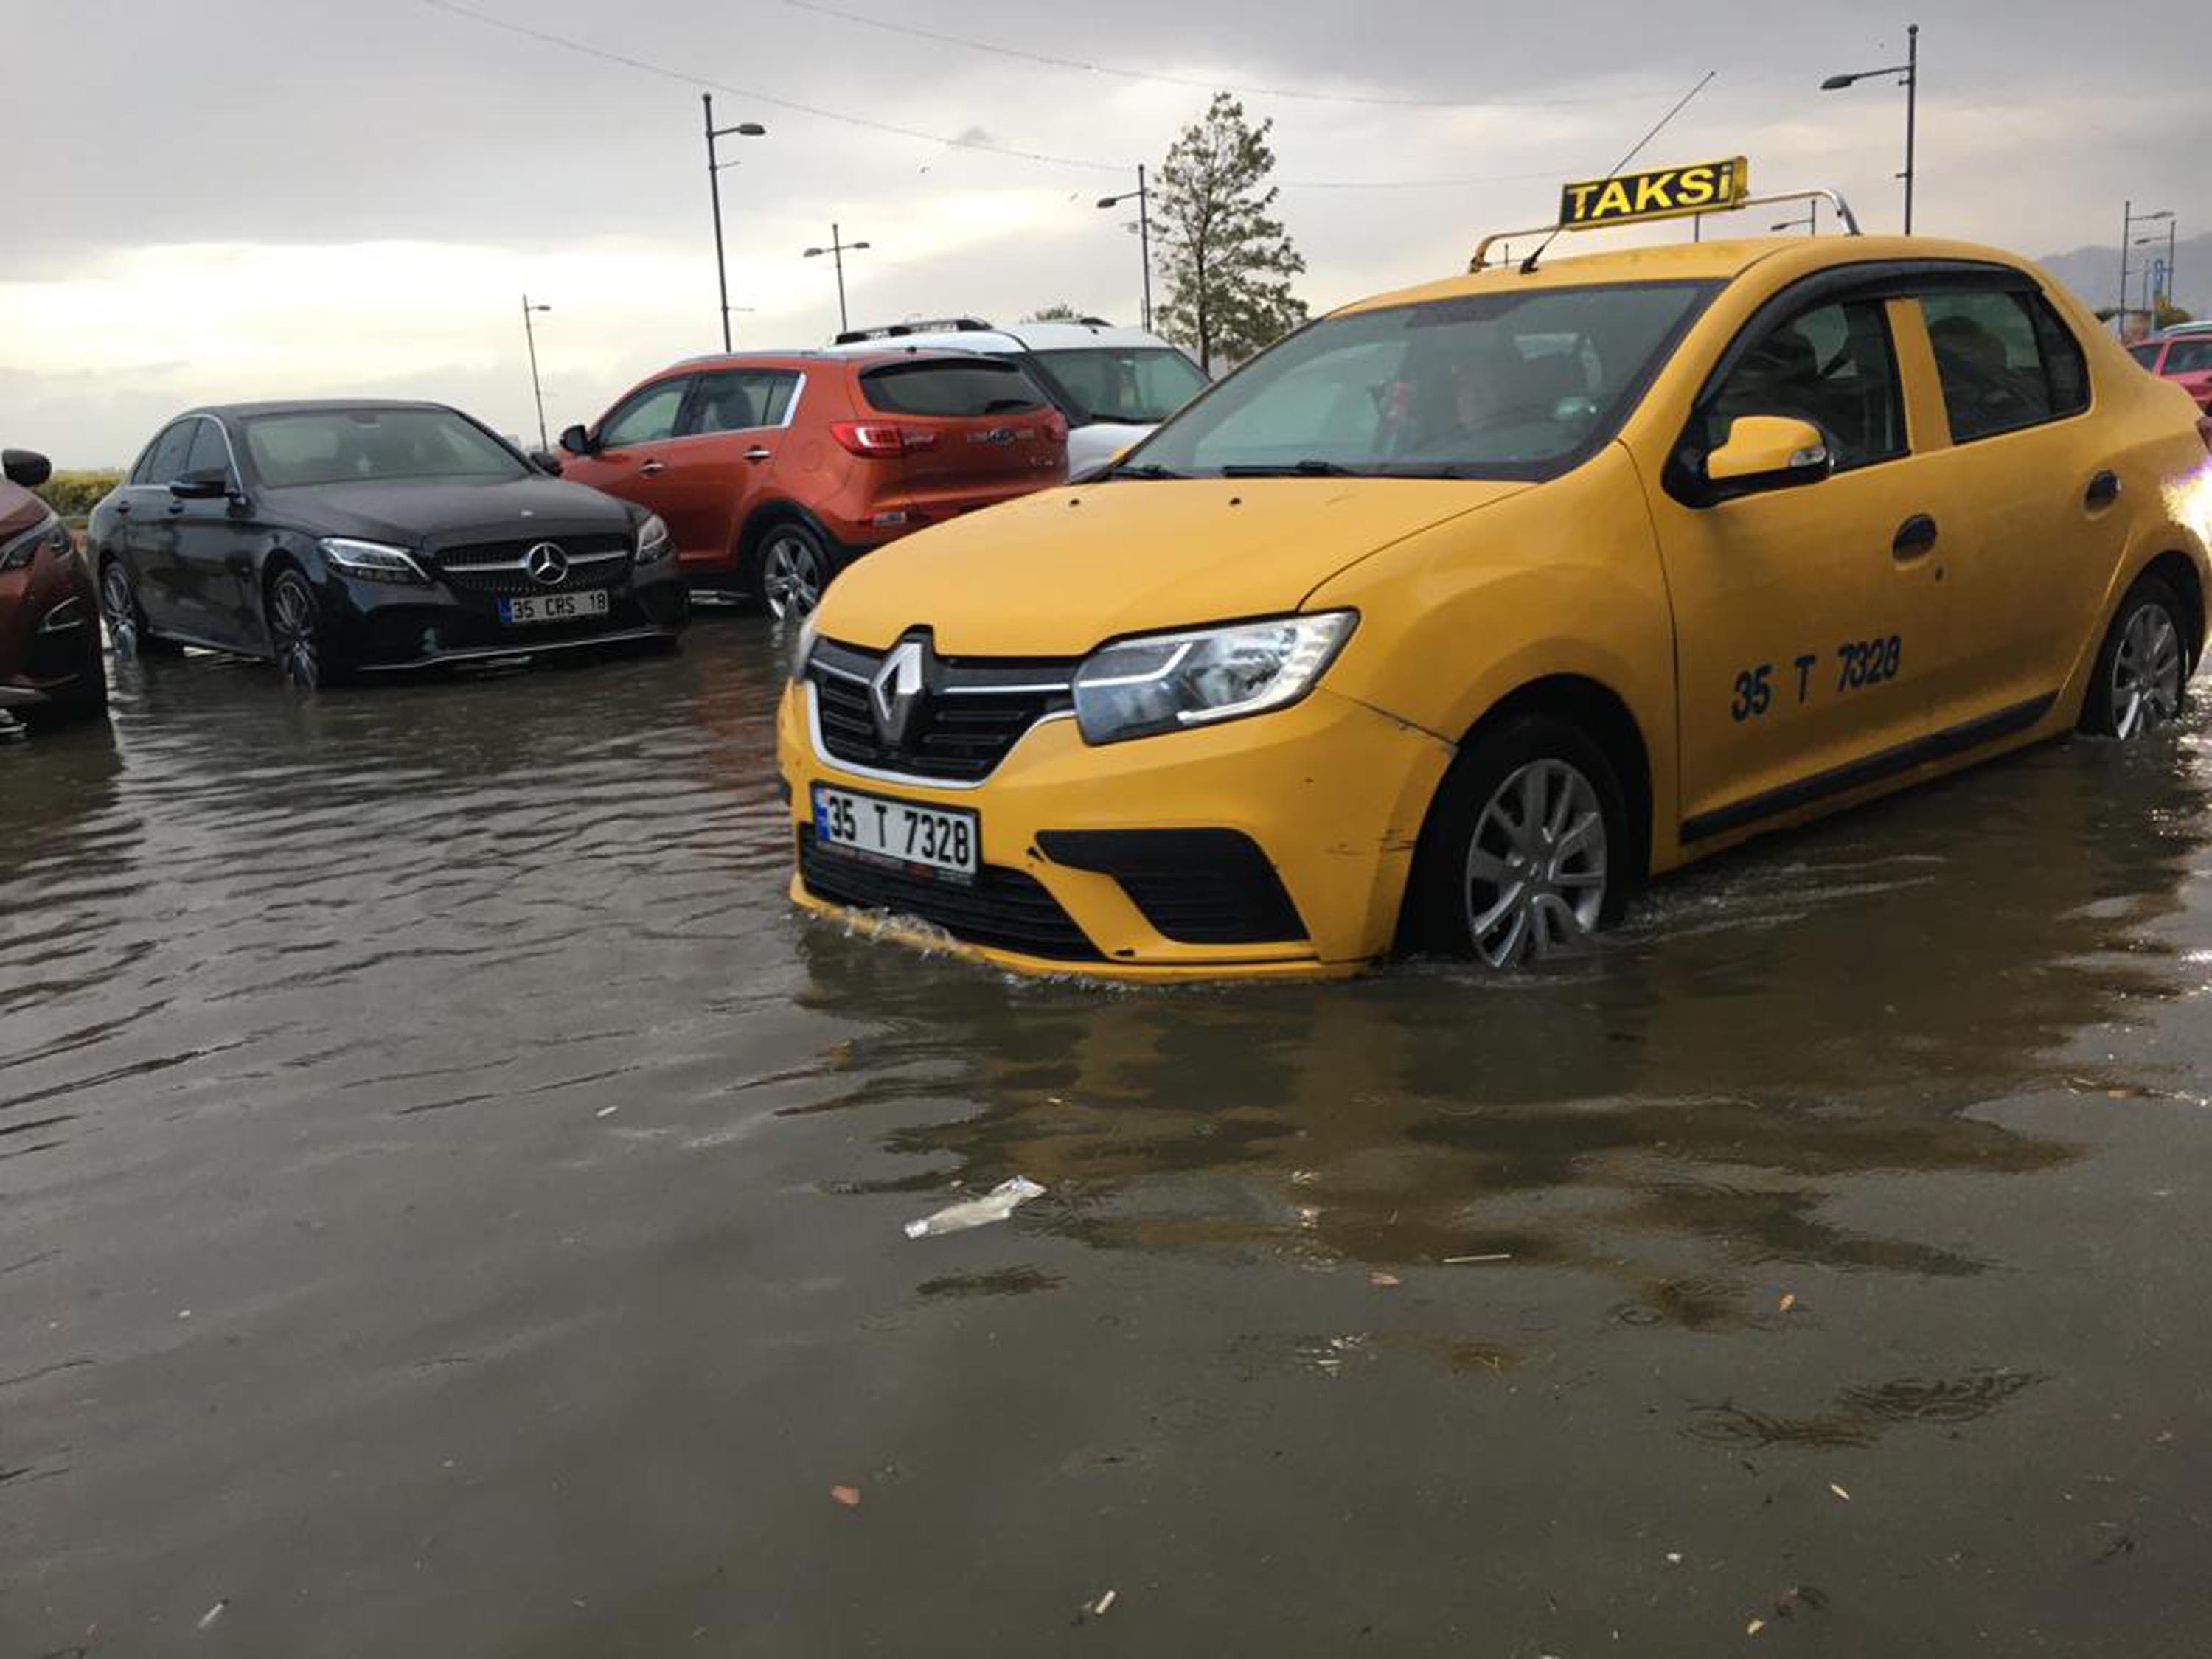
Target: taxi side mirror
1767, 451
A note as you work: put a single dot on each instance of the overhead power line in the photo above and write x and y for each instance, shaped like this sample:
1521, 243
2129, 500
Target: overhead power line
1123, 73
988, 146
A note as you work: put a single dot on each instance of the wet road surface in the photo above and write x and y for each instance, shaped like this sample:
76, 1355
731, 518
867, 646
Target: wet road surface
450, 1205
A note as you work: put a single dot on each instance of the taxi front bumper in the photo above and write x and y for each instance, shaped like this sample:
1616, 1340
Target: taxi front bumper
1274, 846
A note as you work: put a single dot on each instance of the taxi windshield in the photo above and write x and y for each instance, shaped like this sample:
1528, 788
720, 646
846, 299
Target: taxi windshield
1499, 385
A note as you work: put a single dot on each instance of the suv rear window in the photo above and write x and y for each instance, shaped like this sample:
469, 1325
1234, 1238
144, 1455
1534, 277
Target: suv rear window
2189, 357
954, 389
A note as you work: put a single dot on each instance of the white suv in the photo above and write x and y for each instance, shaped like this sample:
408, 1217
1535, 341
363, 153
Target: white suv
1115, 385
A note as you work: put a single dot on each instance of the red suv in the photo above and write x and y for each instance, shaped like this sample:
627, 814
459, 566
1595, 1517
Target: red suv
2184, 357
773, 469
50, 655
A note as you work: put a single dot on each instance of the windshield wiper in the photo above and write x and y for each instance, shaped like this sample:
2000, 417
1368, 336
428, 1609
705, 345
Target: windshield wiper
1308, 468
1148, 470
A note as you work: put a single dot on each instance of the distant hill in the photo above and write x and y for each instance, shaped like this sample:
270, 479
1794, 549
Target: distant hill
2094, 272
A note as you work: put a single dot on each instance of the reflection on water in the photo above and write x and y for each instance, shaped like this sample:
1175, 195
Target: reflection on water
428, 1090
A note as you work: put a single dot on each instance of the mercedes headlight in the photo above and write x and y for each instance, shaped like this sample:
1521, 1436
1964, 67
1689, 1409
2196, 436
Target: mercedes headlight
653, 544
372, 561
1169, 681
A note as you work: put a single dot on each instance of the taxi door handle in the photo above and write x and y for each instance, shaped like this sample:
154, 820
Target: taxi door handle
1914, 537
2103, 490
653, 469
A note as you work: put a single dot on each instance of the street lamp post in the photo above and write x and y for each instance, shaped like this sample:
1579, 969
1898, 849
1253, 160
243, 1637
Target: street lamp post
1910, 72
1144, 198
743, 130
837, 250
2129, 219
537, 392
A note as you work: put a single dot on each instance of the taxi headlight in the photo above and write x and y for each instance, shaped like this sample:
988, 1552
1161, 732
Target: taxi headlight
653, 544
802, 646
1169, 681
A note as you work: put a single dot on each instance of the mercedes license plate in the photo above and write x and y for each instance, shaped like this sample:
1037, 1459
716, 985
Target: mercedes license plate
554, 607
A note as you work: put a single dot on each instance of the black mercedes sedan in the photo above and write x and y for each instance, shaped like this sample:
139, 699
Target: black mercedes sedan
336, 540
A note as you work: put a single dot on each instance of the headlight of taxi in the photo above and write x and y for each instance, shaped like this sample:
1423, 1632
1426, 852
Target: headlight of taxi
802, 647
653, 544
1170, 682
371, 561
20, 551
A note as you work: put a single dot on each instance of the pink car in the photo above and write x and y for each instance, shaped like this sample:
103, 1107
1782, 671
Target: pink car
2184, 357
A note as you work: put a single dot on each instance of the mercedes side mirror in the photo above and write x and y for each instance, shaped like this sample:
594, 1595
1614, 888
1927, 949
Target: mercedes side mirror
214, 486
25, 467
576, 440
1767, 451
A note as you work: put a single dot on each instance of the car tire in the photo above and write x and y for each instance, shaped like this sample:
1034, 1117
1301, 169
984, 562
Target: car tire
2142, 672
792, 567
85, 697
125, 618
299, 645
1526, 847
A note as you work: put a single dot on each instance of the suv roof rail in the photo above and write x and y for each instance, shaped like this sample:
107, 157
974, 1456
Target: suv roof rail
920, 325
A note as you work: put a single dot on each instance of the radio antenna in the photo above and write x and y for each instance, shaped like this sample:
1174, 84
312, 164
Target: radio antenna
1528, 266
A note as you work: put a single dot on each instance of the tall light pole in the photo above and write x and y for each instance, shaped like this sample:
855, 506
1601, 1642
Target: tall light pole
837, 250
2129, 219
1143, 196
743, 130
1909, 74
537, 392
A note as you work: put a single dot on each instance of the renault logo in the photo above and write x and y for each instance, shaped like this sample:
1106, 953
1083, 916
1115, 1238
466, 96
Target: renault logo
895, 690
546, 565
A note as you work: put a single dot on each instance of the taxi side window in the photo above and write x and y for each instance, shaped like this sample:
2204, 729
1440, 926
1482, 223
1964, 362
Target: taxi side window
2005, 361
1832, 365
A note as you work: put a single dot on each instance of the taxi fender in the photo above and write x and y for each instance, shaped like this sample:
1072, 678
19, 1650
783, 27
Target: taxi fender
2183, 527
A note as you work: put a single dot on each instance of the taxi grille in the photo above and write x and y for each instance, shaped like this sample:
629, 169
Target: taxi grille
497, 567
973, 711
1002, 909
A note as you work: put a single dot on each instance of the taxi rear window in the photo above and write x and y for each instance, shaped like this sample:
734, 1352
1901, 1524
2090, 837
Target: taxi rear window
1496, 385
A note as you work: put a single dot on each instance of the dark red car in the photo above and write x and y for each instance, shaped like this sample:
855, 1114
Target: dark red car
773, 469
2184, 357
50, 651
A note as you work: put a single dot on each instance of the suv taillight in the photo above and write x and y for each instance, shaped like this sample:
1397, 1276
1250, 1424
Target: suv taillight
881, 440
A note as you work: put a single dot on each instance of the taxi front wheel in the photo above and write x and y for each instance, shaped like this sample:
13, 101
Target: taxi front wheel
1525, 853
2137, 685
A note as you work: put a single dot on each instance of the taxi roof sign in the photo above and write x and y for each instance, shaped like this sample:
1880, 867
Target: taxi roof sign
1656, 193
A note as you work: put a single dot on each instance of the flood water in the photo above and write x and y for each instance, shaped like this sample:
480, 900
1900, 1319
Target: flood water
451, 1205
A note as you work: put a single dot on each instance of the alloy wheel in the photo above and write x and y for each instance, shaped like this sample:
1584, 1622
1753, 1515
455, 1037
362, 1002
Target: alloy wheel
2148, 672
294, 633
1535, 872
791, 576
118, 608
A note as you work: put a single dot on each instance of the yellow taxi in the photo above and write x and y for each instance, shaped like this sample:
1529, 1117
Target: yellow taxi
1442, 624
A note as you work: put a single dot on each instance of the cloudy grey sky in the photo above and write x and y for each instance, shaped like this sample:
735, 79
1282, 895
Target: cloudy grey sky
265, 197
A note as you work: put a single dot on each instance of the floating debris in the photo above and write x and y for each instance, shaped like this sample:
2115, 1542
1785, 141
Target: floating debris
994, 1206
848, 1495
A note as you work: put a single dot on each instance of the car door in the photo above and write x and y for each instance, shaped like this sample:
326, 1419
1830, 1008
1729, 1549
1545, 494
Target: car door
213, 560
726, 439
629, 447
1805, 617
2036, 528
152, 531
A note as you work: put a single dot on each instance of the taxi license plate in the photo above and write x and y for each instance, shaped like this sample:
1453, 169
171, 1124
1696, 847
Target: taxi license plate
942, 842
554, 607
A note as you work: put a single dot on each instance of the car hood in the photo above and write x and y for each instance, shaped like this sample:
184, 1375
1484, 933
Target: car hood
412, 512
1055, 573
19, 510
